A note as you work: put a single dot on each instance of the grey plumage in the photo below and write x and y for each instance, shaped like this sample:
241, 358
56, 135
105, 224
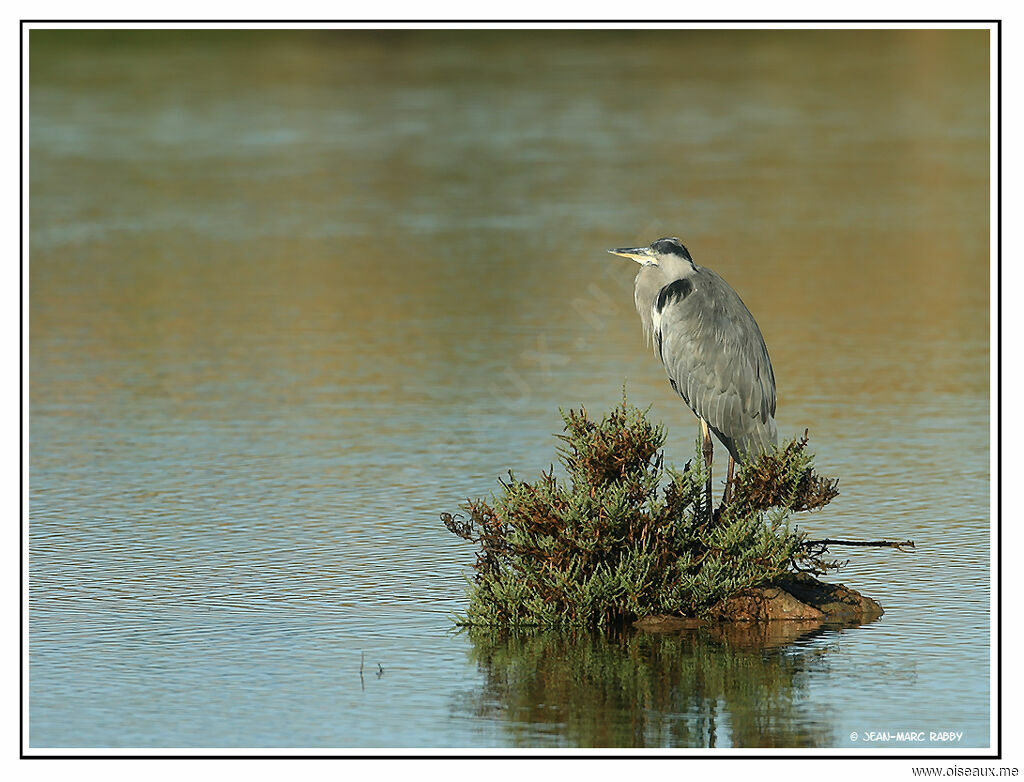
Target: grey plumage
710, 345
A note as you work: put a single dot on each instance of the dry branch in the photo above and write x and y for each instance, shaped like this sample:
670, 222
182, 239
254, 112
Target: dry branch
897, 544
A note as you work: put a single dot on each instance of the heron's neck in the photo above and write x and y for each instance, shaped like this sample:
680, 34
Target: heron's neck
650, 280
675, 268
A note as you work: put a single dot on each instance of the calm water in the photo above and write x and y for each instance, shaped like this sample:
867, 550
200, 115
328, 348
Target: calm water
294, 295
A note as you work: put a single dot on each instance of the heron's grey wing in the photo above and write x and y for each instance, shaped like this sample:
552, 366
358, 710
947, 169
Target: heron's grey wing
716, 360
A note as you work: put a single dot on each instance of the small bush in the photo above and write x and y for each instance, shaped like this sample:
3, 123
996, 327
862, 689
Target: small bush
612, 545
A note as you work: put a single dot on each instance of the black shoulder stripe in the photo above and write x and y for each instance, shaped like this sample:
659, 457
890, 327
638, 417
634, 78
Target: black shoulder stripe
679, 289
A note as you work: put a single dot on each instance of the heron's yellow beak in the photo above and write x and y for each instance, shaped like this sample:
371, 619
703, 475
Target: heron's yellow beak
638, 254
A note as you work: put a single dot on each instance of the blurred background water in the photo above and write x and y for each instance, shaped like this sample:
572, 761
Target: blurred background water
294, 294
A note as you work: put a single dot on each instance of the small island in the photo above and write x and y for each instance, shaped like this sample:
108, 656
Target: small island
627, 539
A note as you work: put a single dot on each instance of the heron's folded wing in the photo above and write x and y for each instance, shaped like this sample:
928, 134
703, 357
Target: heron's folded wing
714, 353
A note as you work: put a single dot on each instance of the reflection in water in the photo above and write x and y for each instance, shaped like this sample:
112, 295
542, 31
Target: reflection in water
739, 685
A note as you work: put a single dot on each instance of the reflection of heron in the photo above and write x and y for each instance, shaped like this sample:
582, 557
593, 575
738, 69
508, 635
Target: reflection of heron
711, 347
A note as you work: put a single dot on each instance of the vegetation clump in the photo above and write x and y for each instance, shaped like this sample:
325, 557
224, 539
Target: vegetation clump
612, 543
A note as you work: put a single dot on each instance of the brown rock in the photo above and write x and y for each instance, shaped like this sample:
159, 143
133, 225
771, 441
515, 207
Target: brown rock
763, 604
836, 601
801, 601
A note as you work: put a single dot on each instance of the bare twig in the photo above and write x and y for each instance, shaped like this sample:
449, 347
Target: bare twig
897, 544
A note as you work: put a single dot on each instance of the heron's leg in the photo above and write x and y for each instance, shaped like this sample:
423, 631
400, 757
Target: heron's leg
708, 449
728, 482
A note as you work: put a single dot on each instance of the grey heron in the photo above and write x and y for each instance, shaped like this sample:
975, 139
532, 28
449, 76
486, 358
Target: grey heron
712, 350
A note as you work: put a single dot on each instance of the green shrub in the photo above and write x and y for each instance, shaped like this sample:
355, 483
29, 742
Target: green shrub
611, 545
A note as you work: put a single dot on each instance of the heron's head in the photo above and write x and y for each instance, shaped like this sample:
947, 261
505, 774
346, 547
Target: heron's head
662, 252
